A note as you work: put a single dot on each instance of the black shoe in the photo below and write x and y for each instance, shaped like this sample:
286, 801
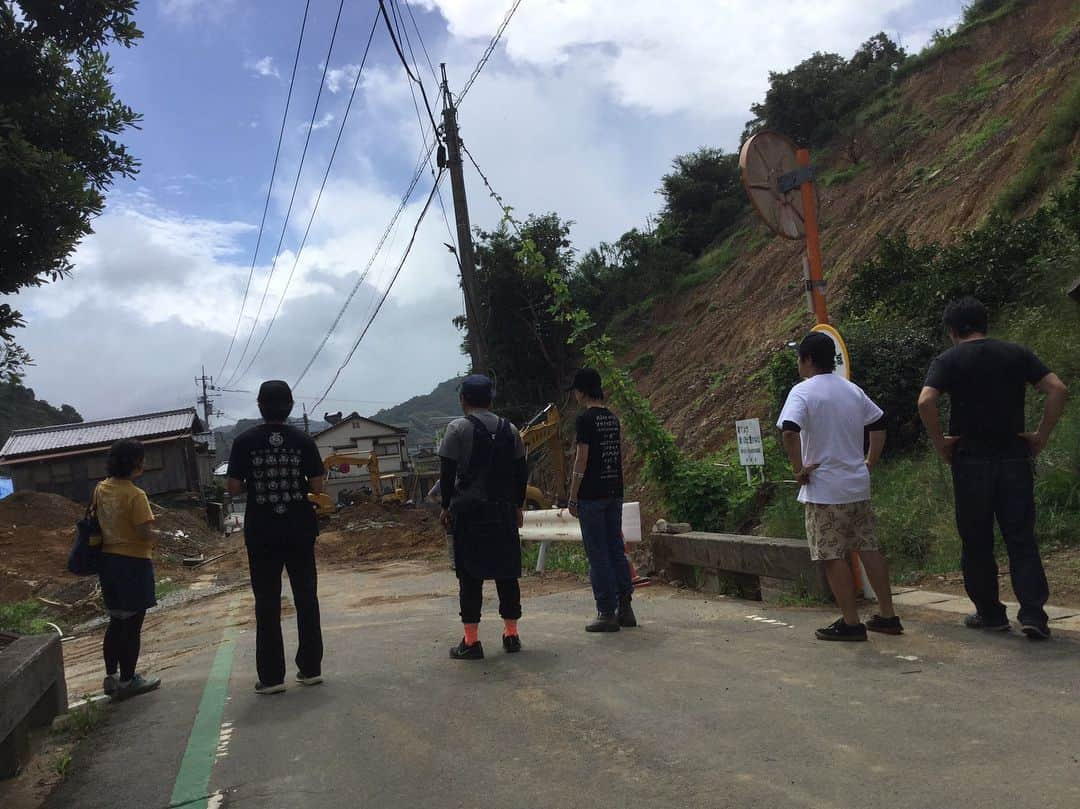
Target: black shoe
464, 651
511, 644
1036, 631
603, 623
976, 621
136, 686
838, 630
886, 626
627, 619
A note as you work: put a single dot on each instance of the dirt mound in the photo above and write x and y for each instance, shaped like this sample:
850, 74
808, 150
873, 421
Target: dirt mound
41, 510
370, 532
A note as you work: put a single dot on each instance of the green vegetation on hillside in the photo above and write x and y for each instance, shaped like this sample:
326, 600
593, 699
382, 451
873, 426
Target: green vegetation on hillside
417, 413
21, 409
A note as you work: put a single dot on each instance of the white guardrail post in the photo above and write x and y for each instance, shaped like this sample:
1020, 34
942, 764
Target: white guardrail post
558, 525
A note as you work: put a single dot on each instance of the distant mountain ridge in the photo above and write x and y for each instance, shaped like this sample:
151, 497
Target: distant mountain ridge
21, 409
417, 412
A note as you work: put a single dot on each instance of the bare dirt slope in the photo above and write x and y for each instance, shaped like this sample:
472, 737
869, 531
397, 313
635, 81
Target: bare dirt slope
972, 117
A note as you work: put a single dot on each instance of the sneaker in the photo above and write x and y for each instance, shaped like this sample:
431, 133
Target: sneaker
886, 626
266, 690
603, 623
464, 651
1036, 631
838, 630
110, 684
135, 686
627, 619
976, 621
315, 679
511, 644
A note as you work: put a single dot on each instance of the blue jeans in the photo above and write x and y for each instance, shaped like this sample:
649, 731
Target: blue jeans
609, 572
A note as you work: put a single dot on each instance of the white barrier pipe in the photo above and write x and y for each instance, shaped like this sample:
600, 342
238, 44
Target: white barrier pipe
557, 525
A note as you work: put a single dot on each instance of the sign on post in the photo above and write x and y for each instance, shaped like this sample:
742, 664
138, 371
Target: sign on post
843, 361
751, 447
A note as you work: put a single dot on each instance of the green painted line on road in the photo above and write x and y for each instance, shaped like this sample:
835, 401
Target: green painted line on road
192, 785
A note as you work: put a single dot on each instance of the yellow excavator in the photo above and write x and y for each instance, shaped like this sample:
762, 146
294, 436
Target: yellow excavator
542, 432
342, 462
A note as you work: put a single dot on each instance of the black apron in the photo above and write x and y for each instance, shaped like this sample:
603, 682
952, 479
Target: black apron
486, 540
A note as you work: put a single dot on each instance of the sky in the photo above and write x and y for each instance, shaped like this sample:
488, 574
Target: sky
580, 110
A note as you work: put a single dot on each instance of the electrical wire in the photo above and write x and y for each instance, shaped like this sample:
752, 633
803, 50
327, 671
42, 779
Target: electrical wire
494, 194
292, 198
270, 188
488, 51
429, 149
386, 292
405, 63
318, 198
420, 38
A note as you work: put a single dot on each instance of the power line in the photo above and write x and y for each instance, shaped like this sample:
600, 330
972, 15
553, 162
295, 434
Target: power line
386, 292
488, 51
318, 198
494, 194
292, 197
270, 188
408, 70
420, 38
417, 174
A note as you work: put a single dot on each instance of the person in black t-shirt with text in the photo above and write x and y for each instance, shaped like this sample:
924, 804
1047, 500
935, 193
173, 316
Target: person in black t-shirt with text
596, 499
279, 465
992, 460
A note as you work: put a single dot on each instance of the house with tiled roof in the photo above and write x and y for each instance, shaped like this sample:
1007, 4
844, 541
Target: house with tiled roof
69, 459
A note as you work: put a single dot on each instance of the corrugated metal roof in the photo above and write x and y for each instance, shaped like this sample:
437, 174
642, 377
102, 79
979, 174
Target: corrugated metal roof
96, 433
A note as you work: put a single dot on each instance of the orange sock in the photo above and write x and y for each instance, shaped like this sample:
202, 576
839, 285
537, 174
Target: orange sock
509, 628
472, 633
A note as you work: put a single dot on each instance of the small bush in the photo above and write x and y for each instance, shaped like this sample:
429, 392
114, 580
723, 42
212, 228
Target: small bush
711, 265
564, 556
25, 618
643, 363
841, 176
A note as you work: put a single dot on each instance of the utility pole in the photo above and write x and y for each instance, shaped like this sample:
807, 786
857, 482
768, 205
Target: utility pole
307, 424
205, 400
466, 256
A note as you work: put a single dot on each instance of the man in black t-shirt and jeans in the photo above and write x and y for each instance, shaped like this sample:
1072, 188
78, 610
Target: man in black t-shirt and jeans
278, 465
992, 460
596, 499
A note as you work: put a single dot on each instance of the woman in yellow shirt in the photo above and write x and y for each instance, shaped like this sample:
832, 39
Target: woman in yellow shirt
127, 574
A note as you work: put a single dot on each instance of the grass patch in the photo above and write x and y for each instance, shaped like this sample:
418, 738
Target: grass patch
945, 41
25, 618
969, 145
841, 176
711, 265
86, 718
165, 586
643, 363
567, 556
1047, 156
718, 379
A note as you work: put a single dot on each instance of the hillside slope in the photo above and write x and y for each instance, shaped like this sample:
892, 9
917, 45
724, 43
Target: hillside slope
938, 151
21, 409
417, 412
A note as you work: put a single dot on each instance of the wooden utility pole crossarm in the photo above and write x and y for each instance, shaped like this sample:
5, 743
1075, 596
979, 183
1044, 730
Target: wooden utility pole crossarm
466, 255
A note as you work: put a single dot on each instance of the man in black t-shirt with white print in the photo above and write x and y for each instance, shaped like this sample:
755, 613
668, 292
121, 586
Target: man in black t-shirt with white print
279, 465
596, 499
992, 460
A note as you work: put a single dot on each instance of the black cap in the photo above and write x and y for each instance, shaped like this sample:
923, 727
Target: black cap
477, 385
275, 391
588, 381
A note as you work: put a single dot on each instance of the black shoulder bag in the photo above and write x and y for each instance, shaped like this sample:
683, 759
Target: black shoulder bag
85, 556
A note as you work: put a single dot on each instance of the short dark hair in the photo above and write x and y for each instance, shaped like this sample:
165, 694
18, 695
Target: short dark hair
966, 317
124, 458
820, 350
589, 382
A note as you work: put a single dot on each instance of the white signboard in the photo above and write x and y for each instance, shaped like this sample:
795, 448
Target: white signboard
751, 448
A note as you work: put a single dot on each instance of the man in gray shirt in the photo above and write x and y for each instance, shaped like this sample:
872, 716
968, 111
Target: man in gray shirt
483, 479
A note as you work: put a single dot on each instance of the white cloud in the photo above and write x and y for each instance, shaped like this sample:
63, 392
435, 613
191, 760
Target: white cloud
341, 78
322, 123
190, 11
263, 67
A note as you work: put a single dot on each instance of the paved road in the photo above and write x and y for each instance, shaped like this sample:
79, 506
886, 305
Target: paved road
706, 705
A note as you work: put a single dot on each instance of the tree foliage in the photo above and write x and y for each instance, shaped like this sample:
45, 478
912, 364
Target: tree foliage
818, 98
526, 345
20, 409
59, 153
703, 199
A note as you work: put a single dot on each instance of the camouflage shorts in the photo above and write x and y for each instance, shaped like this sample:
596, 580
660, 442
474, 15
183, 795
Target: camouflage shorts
835, 530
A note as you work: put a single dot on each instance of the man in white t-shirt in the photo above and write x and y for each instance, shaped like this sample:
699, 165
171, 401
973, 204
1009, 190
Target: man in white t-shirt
824, 422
